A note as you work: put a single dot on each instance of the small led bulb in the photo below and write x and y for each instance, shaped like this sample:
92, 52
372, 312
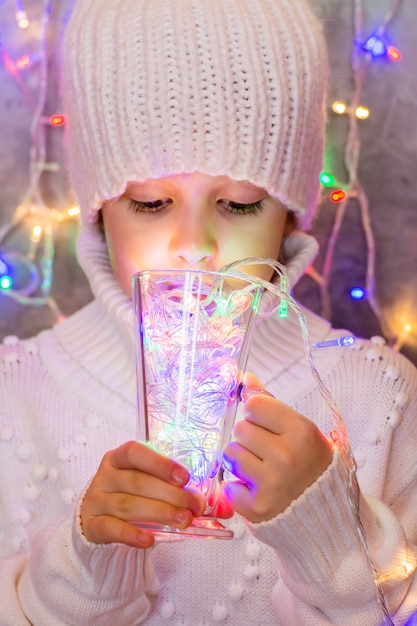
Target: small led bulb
22, 19
338, 196
348, 340
362, 113
73, 211
327, 179
36, 233
23, 62
339, 107
57, 120
283, 305
357, 293
394, 54
5, 282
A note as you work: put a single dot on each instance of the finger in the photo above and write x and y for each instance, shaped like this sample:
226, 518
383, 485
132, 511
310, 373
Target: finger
125, 508
250, 386
270, 413
296, 434
135, 455
254, 438
240, 498
250, 504
137, 487
108, 529
137, 509
302, 448
242, 463
250, 380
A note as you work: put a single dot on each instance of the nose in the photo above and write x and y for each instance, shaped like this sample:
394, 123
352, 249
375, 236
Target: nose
193, 243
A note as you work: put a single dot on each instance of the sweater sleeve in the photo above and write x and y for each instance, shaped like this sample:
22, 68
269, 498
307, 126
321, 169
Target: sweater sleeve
327, 577
68, 580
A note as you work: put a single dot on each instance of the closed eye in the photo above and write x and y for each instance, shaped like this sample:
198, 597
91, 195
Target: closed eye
148, 207
238, 208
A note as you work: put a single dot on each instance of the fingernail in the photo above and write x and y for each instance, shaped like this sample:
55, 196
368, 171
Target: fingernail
180, 476
181, 517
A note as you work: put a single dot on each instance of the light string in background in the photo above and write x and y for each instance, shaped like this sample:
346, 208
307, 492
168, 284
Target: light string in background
364, 50
40, 272
34, 284
339, 434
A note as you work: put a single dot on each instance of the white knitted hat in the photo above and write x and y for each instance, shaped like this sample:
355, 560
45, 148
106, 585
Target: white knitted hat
159, 87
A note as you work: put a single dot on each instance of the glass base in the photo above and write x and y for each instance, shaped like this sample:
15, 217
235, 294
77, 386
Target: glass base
206, 527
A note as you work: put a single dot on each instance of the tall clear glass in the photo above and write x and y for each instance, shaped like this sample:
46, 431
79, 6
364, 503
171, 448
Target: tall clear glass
193, 331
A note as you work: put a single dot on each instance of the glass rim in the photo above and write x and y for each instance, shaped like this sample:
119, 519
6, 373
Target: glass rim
182, 271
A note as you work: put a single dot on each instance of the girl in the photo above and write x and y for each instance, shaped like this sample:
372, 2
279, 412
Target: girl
195, 138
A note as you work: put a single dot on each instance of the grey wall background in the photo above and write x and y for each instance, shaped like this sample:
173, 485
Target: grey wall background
387, 169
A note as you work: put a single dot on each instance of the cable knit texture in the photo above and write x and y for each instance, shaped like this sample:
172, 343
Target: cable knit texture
230, 87
68, 395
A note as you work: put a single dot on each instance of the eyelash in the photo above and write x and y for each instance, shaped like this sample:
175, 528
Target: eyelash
236, 208
147, 207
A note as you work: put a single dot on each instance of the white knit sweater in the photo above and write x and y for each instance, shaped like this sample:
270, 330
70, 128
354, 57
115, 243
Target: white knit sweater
68, 395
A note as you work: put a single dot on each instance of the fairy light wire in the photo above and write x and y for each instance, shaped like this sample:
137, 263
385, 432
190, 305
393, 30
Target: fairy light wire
32, 201
308, 343
324, 277
38, 147
194, 328
390, 15
360, 64
341, 439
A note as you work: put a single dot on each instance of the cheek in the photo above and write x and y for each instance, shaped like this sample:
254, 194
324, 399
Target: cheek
261, 241
272, 234
271, 244
122, 254
121, 264
131, 250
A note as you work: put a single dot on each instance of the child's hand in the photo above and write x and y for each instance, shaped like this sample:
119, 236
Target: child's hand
276, 454
134, 483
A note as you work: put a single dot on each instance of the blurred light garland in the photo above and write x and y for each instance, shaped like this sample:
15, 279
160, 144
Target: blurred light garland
363, 52
361, 56
38, 261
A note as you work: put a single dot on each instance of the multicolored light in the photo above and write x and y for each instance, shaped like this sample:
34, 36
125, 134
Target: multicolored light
377, 46
357, 293
57, 120
338, 196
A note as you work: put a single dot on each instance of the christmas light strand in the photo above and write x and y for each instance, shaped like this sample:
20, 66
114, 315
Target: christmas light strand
353, 190
39, 258
363, 51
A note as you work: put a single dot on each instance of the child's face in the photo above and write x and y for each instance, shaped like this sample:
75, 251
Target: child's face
191, 221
